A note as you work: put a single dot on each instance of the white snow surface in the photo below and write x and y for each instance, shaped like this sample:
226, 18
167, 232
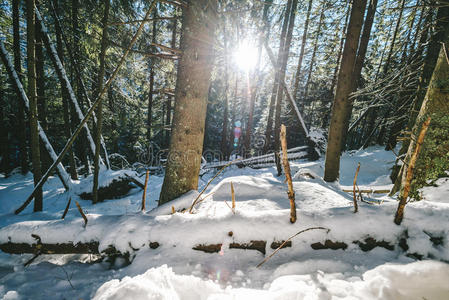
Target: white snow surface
176, 271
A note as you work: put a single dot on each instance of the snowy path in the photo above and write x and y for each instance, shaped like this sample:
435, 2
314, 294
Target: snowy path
176, 271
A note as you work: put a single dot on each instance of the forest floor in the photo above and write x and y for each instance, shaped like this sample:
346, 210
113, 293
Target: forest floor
368, 264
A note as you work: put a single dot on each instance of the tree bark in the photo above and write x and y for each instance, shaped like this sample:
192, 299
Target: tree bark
23, 153
342, 103
104, 45
192, 87
224, 132
31, 72
340, 49
4, 136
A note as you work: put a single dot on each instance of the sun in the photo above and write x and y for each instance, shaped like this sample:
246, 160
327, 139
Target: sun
245, 56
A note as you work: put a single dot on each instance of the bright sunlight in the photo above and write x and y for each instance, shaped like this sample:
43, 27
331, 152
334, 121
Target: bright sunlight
245, 56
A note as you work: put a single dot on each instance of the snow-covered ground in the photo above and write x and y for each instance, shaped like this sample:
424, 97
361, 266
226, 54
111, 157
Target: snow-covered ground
176, 271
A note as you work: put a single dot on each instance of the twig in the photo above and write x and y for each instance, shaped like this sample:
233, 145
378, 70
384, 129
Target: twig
82, 213
288, 174
202, 191
403, 195
38, 248
289, 239
356, 207
145, 189
66, 208
233, 198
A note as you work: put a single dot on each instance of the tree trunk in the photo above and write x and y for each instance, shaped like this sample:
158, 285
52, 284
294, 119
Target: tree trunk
280, 91
40, 84
104, 44
65, 97
4, 136
268, 132
151, 93
342, 103
21, 130
169, 97
361, 53
301, 52
31, 72
192, 86
81, 144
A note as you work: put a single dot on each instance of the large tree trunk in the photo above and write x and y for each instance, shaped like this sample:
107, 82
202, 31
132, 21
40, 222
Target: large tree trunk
361, 53
269, 129
104, 44
21, 130
31, 72
192, 86
301, 52
342, 102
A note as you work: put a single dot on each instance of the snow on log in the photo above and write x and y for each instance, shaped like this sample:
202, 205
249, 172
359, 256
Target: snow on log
65, 83
62, 174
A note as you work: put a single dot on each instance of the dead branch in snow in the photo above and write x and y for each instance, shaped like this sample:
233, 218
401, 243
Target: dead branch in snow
66, 208
287, 240
403, 195
147, 174
202, 191
356, 207
82, 213
233, 198
288, 174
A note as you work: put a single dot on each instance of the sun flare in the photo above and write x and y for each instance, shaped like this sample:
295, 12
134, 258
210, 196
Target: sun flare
245, 56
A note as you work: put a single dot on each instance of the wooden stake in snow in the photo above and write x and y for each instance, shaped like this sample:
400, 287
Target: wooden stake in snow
82, 213
88, 114
145, 189
66, 208
288, 175
356, 207
403, 195
233, 198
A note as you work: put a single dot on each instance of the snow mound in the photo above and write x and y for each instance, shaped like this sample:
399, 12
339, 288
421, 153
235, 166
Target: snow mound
418, 280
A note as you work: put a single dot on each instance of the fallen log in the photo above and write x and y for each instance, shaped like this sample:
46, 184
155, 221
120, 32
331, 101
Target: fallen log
368, 191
